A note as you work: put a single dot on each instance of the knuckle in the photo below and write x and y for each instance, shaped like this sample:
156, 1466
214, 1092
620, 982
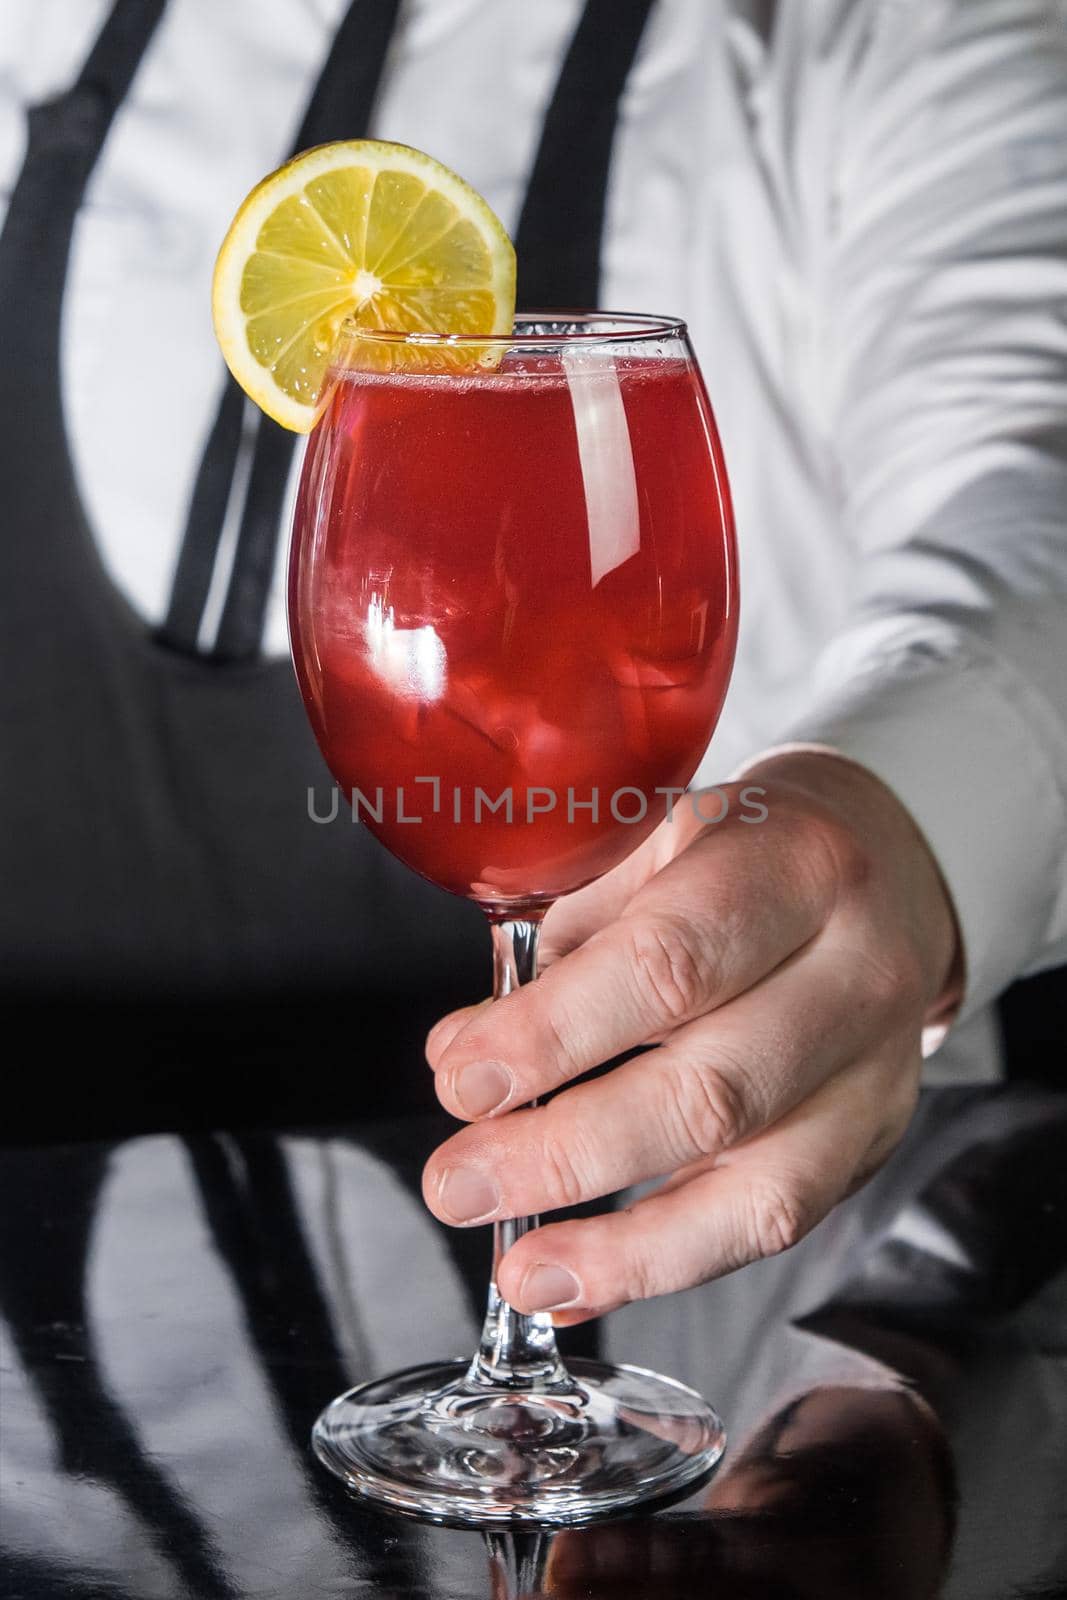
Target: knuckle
778, 1218
853, 863
888, 1137
563, 1172
840, 861
901, 1098
672, 979
646, 1275
703, 1111
644, 1279
562, 1049
830, 859
822, 852
892, 981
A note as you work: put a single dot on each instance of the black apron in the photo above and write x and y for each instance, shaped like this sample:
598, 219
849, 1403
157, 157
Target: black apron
182, 943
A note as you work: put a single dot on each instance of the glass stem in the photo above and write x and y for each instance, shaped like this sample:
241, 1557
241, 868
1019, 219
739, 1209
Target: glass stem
516, 1351
517, 1561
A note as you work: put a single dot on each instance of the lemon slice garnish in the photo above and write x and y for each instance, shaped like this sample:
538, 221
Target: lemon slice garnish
360, 229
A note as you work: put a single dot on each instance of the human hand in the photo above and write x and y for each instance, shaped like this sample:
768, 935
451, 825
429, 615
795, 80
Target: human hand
786, 969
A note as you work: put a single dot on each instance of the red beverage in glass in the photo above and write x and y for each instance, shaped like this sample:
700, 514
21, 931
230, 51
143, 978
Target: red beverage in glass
513, 610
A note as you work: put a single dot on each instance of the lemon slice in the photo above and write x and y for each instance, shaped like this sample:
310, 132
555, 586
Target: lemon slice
377, 232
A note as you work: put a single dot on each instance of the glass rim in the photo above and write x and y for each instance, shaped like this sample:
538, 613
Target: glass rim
623, 327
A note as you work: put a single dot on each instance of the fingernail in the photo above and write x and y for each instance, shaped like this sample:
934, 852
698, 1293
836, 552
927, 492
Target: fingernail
467, 1195
548, 1288
482, 1087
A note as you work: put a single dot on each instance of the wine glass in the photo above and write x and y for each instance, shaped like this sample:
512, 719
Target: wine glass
513, 610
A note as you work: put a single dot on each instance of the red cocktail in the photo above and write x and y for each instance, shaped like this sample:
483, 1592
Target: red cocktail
513, 609
519, 622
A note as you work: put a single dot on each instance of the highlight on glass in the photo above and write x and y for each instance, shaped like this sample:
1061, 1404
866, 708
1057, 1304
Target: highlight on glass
513, 571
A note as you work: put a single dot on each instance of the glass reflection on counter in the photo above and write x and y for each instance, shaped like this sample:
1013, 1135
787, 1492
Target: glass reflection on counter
843, 1493
172, 1311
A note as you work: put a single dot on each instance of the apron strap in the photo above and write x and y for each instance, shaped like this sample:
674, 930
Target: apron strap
560, 232
64, 138
340, 108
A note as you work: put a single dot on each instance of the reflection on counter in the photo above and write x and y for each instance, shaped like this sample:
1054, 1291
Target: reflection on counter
174, 1312
845, 1492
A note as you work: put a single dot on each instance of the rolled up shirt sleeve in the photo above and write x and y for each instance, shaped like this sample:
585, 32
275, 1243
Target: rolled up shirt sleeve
941, 277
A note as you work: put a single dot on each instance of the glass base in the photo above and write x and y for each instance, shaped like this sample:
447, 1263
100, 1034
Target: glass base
441, 1445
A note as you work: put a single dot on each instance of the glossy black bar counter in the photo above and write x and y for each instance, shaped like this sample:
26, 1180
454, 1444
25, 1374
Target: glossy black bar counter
174, 1312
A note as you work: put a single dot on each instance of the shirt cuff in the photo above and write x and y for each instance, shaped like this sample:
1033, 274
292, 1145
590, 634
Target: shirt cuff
956, 735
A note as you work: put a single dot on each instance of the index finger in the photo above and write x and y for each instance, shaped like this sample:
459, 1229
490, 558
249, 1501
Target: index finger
707, 927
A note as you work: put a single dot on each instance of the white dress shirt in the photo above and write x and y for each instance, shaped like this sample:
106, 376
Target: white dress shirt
860, 208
